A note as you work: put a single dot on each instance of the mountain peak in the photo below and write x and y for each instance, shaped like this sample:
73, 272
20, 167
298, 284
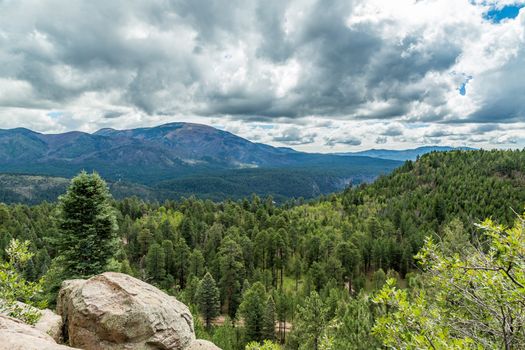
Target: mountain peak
23, 131
104, 131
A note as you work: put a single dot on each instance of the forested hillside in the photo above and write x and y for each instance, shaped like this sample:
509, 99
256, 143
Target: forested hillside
312, 267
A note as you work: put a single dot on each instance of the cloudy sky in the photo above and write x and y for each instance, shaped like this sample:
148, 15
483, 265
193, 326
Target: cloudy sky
313, 75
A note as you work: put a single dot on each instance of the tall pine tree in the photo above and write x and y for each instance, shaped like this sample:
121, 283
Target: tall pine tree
87, 227
209, 299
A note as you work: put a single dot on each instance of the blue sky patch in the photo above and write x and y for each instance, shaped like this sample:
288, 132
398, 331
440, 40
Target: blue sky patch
266, 126
463, 87
55, 114
497, 15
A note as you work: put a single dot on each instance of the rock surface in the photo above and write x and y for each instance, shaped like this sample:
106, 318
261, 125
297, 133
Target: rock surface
114, 311
200, 344
49, 322
16, 335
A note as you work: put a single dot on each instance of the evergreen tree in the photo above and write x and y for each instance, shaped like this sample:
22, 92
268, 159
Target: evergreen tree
252, 310
208, 299
268, 327
87, 227
169, 252
156, 263
282, 307
310, 323
232, 273
181, 261
145, 239
196, 265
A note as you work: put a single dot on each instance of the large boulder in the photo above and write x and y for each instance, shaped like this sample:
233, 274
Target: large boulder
16, 335
114, 311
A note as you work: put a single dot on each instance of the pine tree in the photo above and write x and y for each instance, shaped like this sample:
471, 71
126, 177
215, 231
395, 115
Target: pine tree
196, 265
311, 320
282, 307
169, 252
145, 239
208, 299
156, 263
252, 310
87, 227
268, 327
232, 272
181, 261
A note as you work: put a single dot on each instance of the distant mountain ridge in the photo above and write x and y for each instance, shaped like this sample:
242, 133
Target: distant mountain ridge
196, 142
405, 154
184, 159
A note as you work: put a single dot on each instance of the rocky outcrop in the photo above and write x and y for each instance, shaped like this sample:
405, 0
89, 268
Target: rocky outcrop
202, 345
49, 322
16, 335
114, 311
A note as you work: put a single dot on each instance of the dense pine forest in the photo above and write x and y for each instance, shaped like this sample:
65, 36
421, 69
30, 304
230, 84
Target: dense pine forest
345, 271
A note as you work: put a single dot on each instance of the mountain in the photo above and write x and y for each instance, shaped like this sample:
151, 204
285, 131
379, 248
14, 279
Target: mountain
406, 154
199, 144
181, 159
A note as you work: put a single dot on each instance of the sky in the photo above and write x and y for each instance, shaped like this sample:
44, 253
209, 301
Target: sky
314, 75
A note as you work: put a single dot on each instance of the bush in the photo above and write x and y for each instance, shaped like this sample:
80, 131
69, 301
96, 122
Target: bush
18, 296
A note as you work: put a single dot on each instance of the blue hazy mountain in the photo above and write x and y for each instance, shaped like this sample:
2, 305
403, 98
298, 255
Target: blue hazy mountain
403, 155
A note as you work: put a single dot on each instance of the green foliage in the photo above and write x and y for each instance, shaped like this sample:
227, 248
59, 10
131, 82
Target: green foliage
378, 279
208, 299
266, 345
87, 237
228, 337
350, 328
14, 288
472, 299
